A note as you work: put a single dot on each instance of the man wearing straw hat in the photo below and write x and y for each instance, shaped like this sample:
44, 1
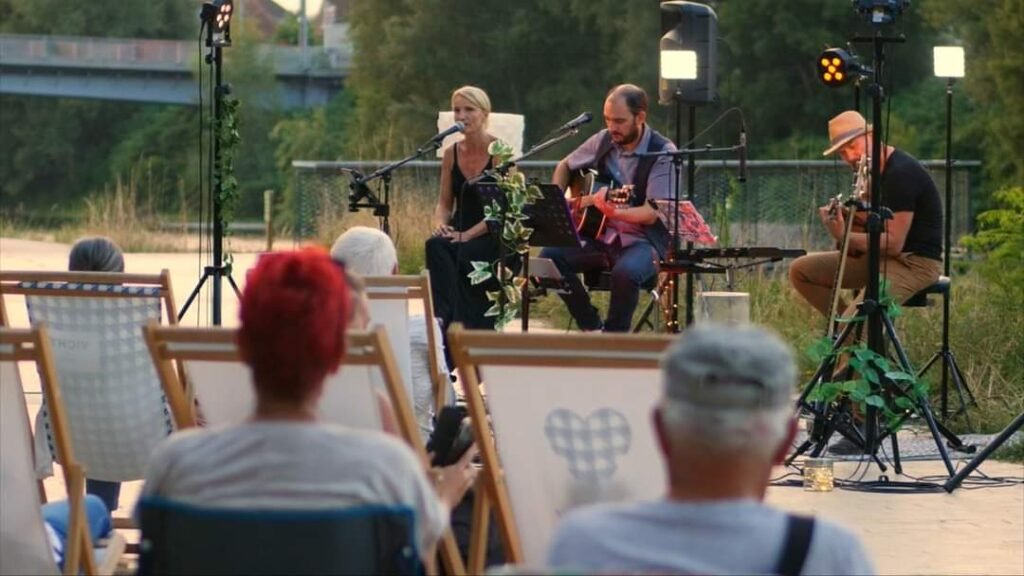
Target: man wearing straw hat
911, 240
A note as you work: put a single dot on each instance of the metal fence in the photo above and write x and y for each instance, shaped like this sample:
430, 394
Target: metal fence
776, 206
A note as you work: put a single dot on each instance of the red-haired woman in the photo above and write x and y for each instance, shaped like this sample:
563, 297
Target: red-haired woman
294, 314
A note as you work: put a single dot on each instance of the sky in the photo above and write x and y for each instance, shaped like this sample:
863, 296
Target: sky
312, 6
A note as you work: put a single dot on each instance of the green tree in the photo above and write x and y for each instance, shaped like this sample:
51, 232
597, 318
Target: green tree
992, 34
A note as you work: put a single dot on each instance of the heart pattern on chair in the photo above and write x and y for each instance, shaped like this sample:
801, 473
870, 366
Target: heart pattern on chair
589, 445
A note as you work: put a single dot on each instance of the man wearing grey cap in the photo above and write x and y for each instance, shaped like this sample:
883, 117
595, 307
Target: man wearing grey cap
724, 419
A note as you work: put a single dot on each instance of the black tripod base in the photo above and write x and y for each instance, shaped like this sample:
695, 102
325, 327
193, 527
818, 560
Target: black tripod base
954, 482
951, 371
216, 272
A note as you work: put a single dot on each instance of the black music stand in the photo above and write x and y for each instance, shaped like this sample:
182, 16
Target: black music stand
551, 222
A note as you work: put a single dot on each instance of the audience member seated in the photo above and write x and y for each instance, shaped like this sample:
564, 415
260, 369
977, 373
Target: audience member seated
359, 319
725, 418
370, 252
57, 519
293, 318
98, 254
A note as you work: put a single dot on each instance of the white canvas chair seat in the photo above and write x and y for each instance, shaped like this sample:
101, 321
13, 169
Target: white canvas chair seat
221, 384
25, 547
570, 418
116, 408
391, 301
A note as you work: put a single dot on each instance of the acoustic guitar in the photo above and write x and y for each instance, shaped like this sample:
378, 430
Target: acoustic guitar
590, 222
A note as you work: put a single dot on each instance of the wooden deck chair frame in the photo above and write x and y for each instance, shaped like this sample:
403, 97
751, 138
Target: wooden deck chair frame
34, 346
416, 288
11, 280
370, 348
473, 349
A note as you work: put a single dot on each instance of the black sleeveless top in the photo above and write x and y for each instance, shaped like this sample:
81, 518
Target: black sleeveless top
469, 209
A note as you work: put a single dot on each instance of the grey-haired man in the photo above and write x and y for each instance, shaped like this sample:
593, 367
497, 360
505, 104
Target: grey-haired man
724, 419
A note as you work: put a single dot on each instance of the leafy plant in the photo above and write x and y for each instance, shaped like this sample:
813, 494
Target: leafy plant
225, 182
515, 235
875, 382
1000, 238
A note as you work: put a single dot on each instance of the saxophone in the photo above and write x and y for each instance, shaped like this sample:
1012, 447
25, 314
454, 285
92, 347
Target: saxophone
857, 194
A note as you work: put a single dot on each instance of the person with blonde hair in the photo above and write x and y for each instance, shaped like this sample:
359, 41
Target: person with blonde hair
460, 234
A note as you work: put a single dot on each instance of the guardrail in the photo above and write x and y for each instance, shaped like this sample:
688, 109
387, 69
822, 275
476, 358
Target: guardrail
149, 54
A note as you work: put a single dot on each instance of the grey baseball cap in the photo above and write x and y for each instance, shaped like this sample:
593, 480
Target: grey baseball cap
729, 367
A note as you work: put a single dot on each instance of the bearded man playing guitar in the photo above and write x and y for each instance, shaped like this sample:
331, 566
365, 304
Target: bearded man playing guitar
911, 241
634, 236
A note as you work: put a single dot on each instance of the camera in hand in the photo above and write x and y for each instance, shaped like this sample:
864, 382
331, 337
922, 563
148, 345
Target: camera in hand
452, 437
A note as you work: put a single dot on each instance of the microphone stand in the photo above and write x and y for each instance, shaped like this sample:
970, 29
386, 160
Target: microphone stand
503, 170
360, 195
677, 157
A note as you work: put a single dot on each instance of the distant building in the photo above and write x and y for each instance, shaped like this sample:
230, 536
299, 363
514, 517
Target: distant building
334, 24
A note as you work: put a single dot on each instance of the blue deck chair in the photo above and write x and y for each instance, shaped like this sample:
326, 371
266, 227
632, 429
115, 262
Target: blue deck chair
180, 538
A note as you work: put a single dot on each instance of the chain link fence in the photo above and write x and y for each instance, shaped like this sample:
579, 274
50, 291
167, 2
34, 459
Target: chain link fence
776, 206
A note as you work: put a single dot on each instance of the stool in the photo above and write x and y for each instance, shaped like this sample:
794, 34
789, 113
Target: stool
601, 281
920, 298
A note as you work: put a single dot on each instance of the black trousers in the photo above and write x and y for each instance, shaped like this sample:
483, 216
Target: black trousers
455, 299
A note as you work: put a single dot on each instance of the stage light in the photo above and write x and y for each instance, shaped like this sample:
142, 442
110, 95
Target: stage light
217, 15
836, 67
679, 64
949, 61
688, 53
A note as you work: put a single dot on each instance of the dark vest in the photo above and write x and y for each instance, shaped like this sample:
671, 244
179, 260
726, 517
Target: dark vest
657, 233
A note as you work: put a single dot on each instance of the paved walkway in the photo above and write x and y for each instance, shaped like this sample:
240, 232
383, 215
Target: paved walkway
967, 532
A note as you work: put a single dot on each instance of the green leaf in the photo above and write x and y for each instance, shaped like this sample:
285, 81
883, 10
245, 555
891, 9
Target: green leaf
875, 400
899, 375
481, 272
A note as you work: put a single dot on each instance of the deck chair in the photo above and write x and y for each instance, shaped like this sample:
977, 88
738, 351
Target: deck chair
116, 409
570, 417
25, 547
184, 539
390, 297
221, 383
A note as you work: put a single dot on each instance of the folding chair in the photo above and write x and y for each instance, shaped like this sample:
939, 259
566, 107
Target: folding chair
570, 417
115, 407
221, 384
184, 539
390, 297
25, 547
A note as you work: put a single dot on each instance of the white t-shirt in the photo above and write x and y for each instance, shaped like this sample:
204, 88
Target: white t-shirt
294, 465
723, 537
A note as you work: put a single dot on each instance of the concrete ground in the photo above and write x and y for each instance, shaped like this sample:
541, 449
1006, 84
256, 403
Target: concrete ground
972, 531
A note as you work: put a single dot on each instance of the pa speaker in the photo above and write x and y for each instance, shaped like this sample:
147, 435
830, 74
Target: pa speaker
689, 27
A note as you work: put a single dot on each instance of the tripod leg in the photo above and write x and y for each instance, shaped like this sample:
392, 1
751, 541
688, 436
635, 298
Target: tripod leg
234, 286
959, 376
922, 403
192, 296
896, 464
994, 445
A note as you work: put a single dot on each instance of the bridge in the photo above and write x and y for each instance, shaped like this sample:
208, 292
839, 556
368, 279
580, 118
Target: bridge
157, 71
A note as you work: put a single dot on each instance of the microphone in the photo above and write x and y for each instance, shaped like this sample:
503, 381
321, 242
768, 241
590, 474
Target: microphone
575, 122
457, 127
743, 156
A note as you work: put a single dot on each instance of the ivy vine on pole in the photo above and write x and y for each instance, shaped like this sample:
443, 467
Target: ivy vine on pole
515, 236
225, 183
895, 401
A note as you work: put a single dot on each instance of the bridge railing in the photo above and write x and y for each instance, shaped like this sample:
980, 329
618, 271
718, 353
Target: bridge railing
148, 54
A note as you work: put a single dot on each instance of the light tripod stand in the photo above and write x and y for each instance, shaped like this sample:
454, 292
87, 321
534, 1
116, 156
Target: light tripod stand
950, 368
216, 17
872, 317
